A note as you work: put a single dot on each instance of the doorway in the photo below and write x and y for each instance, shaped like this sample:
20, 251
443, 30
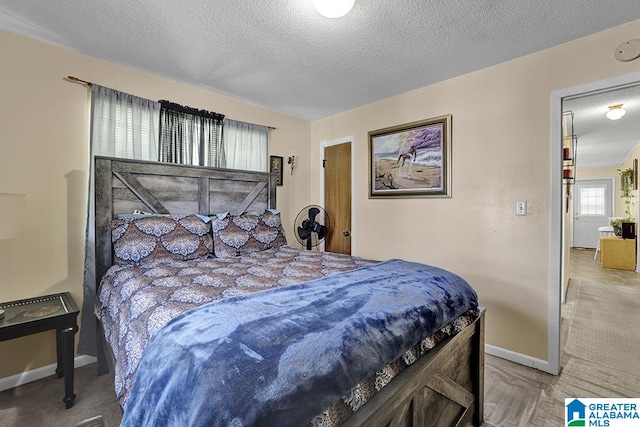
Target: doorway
337, 195
561, 222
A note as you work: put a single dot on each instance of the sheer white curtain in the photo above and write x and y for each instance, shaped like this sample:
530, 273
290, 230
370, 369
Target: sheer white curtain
245, 145
125, 126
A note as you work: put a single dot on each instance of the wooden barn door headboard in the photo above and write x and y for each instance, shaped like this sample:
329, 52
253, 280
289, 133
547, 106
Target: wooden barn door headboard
124, 185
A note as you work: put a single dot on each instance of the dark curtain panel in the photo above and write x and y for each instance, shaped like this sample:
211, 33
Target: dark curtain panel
190, 136
212, 151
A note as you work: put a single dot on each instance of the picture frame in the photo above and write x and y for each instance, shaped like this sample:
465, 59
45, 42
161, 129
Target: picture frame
275, 166
411, 160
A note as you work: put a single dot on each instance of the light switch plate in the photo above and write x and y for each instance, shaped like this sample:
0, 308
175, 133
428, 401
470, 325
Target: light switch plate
521, 208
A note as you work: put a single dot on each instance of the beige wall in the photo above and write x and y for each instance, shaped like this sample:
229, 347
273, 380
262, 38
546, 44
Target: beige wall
501, 154
501, 150
44, 128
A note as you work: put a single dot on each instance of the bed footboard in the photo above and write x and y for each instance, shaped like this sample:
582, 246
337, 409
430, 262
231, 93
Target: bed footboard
445, 387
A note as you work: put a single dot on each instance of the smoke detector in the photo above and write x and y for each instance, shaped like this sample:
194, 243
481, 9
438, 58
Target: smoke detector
628, 51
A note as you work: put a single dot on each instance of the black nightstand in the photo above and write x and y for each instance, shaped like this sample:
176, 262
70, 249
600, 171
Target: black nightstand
33, 315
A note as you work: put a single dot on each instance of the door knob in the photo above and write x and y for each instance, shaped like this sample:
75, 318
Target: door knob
346, 234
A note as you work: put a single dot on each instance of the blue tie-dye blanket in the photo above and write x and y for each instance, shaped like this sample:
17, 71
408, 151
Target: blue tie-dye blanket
279, 357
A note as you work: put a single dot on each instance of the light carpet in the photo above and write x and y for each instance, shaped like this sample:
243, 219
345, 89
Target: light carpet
604, 326
602, 349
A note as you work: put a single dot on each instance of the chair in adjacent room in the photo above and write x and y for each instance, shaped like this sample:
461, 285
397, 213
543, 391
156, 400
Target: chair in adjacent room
605, 230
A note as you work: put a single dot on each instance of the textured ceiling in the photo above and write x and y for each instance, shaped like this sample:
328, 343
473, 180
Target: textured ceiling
603, 142
281, 54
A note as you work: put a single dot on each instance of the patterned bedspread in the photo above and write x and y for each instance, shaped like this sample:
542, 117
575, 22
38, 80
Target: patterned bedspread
134, 302
280, 356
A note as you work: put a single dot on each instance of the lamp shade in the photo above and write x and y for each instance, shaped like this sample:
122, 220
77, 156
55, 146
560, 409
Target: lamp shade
615, 112
12, 211
333, 8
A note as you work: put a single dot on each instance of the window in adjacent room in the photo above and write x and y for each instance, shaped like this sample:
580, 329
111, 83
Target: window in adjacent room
592, 201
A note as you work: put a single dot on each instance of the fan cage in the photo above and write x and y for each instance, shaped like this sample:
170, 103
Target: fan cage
311, 221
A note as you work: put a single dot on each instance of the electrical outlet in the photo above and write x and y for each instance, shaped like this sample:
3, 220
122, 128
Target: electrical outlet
521, 208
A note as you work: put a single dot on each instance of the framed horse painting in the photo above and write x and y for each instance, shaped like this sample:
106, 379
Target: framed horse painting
411, 160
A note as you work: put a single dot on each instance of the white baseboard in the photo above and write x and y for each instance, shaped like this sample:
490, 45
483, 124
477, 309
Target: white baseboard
39, 373
519, 358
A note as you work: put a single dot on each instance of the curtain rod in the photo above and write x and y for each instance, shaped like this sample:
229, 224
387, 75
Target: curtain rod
77, 80
84, 82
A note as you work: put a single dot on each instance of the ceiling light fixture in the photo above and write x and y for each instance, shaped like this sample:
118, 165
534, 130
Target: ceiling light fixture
333, 8
615, 112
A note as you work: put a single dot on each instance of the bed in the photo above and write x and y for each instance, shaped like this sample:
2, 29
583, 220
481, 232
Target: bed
176, 327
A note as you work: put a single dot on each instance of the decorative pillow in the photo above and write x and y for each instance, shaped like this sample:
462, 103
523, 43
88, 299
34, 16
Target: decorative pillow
237, 235
160, 238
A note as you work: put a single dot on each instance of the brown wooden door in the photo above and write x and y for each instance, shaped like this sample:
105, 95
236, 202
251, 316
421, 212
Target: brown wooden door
337, 197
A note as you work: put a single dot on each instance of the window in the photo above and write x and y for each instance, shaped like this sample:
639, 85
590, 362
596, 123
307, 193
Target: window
592, 201
245, 145
190, 136
123, 125
126, 126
